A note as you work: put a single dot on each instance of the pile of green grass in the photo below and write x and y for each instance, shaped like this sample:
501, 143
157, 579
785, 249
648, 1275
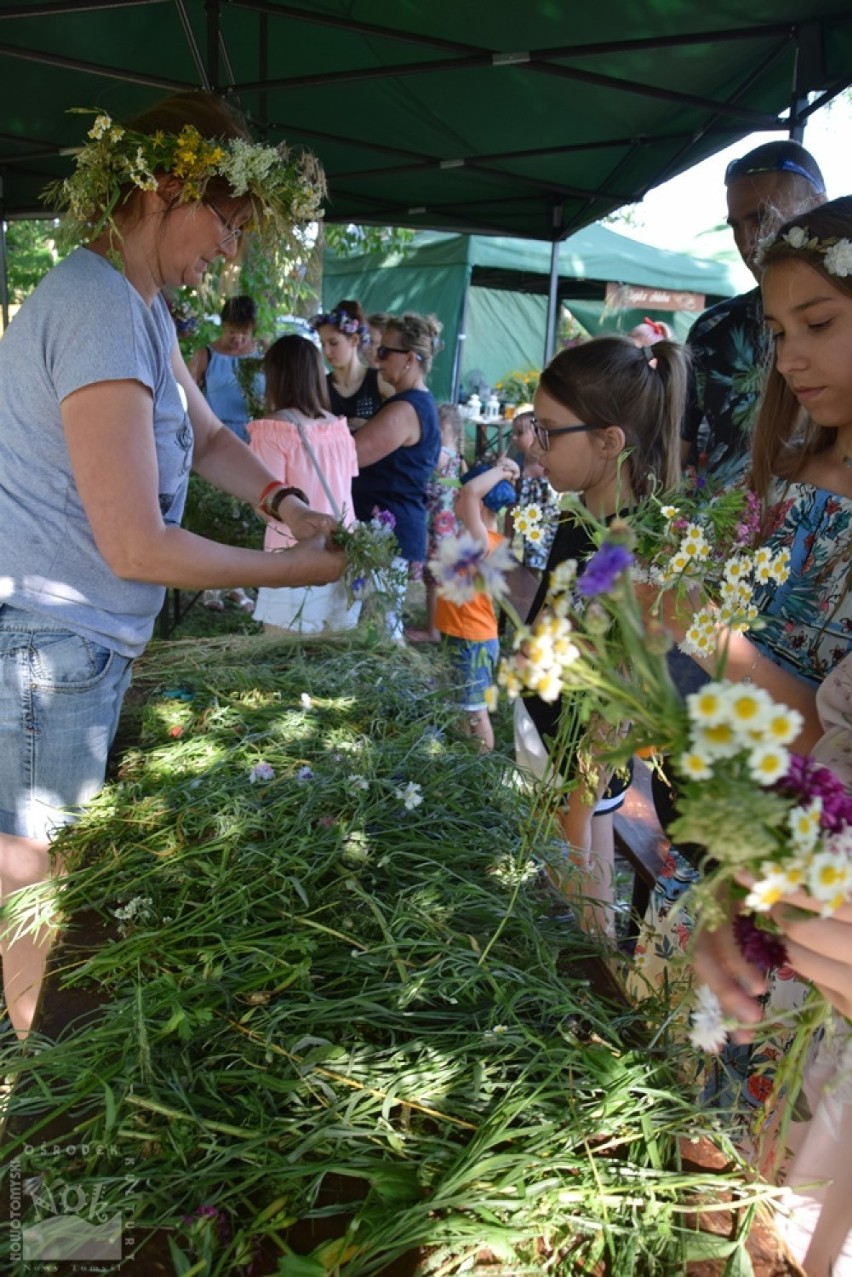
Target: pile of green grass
333, 1026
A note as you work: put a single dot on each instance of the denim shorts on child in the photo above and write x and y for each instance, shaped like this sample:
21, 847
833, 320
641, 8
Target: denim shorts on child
60, 698
474, 662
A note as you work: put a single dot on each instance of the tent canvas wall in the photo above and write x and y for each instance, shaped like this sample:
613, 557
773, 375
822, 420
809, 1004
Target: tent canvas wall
490, 293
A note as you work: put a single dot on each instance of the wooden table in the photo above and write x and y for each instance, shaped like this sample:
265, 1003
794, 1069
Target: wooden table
491, 436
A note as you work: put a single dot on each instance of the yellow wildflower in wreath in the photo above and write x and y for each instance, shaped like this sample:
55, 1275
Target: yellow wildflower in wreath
286, 188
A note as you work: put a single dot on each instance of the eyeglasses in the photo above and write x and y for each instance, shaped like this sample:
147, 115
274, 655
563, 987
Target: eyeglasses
736, 169
234, 233
382, 352
543, 436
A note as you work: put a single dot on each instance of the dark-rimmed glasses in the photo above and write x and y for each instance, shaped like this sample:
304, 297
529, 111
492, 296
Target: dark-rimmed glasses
382, 352
543, 436
234, 233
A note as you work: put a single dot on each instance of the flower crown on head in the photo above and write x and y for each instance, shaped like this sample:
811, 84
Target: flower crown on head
836, 253
344, 323
286, 189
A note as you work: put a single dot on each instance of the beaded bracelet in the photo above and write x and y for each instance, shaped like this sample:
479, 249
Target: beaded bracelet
271, 506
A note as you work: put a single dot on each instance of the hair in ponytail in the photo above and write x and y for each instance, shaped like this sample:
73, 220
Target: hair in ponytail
610, 381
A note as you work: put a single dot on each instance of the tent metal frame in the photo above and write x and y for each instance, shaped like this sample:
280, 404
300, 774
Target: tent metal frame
213, 69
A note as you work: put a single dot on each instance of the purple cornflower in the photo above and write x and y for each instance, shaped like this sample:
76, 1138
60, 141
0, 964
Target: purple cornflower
762, 949
384, 518
304, 774
261, 771
749, 525
217, 1217
358, 584
807, 779
603, 568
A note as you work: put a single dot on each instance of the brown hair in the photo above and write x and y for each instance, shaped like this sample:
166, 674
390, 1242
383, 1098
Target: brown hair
784, 439
610, 382
421, 334
352, 308
240, 312
295, 376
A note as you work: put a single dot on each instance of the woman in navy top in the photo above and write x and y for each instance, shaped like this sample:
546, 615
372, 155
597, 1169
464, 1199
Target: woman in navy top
398, 448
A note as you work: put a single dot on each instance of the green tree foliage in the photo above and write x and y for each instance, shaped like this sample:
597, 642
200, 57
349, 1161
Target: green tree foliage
31, 252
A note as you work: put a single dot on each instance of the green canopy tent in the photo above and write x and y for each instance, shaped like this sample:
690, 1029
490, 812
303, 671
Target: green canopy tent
487, 117
491, 293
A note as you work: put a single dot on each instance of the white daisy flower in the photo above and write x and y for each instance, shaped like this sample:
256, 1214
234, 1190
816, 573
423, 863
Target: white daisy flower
750, 707
804, 825
829, 879
783, 726
769, 763
695, 766
709, 705
708, 1032
768, 890
410, 796
716, 740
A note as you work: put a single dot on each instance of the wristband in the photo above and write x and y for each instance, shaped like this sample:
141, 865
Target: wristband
270, 505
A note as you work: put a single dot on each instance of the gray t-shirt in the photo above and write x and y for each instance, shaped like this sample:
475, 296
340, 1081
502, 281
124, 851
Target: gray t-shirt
84, 323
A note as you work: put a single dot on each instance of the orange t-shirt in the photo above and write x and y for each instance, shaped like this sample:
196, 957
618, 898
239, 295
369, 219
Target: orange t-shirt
475, 620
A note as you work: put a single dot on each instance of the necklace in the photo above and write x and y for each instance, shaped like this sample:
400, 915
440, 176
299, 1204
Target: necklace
846, 461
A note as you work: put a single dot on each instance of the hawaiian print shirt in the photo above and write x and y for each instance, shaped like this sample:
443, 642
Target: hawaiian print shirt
730, 348
808, 621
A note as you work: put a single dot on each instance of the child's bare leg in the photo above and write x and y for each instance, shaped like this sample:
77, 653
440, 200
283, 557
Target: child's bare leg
590, 886
476, 722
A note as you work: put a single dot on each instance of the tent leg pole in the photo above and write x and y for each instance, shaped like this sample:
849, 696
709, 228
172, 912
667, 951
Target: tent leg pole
4, 261
553, 287
460, 339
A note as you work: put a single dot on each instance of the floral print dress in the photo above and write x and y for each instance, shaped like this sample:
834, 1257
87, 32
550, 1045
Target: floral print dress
440, 498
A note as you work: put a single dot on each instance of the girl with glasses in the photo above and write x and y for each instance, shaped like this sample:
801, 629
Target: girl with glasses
606, 425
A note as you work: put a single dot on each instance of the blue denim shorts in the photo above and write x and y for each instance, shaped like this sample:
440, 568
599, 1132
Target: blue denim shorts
474, 662
60, 699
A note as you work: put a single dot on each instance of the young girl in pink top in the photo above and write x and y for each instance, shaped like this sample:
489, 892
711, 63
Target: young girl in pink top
309, 448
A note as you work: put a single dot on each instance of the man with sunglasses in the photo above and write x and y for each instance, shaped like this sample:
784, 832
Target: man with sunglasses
728, 343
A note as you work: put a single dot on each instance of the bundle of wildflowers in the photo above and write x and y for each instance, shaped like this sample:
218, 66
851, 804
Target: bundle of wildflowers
756, 809
696, 546
372, 555
286, 187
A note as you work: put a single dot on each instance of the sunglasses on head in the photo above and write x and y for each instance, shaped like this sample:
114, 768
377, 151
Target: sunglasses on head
543, 436
736, 169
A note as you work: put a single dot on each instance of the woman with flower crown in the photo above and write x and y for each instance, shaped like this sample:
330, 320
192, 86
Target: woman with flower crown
355, 387
100, 422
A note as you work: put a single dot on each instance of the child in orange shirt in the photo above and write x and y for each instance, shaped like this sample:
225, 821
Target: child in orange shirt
469, 630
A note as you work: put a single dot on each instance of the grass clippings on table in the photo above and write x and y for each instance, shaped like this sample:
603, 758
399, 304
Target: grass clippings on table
334, 1001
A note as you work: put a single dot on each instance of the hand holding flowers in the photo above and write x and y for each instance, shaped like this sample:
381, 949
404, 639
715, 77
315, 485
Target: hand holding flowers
371, 549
